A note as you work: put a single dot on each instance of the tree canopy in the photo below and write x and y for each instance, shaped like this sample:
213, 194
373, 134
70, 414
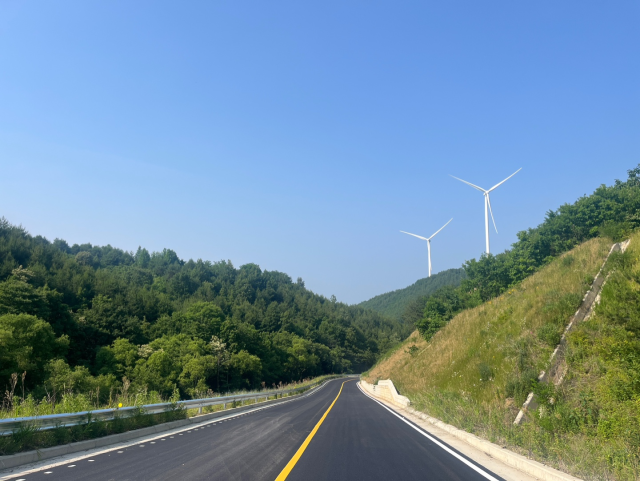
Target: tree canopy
87, 317
399, 304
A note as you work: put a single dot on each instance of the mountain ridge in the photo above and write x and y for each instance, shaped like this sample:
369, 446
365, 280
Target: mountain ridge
394, 303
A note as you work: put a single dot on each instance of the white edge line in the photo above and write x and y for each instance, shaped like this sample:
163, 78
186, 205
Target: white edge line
431, 438
15, 472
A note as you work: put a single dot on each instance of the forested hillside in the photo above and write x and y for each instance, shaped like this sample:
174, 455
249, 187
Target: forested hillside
78, 318
395, 303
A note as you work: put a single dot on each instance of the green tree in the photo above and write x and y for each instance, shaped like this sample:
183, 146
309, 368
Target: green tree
247, 367
28, 344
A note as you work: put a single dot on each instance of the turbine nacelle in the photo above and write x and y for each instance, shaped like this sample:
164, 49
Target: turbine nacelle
428, 239
487, 203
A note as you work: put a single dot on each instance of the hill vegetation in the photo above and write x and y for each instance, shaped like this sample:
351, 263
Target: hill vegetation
401, 303
479, 347
99, 320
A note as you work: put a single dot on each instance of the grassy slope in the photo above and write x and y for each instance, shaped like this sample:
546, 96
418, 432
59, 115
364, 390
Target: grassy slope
509, 340
395, 302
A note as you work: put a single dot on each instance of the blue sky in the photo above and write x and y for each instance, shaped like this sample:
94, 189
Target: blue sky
303, 136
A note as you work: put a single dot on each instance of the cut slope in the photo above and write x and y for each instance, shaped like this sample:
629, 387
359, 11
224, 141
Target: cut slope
394, 303
476, 372
512, 334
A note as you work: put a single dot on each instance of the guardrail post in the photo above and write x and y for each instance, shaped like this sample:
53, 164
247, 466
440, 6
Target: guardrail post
224, 406
200, 410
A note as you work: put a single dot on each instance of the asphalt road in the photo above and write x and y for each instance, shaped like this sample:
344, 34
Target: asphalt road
359, 439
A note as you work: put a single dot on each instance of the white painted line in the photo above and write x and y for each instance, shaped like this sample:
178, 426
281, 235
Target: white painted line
434, 440
71, 466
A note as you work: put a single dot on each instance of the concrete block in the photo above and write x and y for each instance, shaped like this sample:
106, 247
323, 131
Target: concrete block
18, 459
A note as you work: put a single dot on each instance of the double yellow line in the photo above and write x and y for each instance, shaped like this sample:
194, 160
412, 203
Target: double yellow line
291, 464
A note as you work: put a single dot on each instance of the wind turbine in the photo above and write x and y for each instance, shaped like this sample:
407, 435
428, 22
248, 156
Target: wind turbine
487, 204
428, 241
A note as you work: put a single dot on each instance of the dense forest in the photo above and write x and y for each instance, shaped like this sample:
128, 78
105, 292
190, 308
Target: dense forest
84, 318
402, 303
611, 211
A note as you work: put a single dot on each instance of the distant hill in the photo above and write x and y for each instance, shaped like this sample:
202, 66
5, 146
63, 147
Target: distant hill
393, 304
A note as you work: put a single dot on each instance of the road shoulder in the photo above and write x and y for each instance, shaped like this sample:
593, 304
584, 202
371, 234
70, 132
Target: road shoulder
503, 470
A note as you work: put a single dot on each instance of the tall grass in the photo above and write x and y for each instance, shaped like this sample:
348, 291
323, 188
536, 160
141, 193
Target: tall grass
70, 402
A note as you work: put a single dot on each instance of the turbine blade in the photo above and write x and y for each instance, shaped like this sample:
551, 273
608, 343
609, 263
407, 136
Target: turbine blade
418, 236
500, 183
491, 212
441, 229
469, 183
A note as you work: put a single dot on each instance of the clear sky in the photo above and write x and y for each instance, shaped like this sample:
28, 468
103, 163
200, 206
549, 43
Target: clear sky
303, 136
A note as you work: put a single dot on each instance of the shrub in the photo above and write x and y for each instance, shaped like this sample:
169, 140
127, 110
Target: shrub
550, 334
486, 372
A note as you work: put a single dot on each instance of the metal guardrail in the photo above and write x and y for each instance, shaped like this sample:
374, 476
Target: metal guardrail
50, 421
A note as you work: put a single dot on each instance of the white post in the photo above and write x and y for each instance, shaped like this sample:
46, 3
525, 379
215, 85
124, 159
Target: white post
486, 219
429, 250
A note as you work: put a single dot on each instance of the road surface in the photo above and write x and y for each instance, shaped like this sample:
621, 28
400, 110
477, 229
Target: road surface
354, 438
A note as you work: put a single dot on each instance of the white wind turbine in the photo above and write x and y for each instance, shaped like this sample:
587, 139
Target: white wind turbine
487, 204
428, 241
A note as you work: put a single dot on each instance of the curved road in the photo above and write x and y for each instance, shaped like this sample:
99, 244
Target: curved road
358, 439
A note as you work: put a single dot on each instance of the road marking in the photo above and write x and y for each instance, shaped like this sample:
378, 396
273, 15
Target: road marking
39, 466
296, 457
431, 438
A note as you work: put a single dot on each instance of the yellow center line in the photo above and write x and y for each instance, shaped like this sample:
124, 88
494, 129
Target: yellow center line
290, 465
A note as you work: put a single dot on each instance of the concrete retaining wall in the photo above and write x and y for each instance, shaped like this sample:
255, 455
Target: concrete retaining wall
557, 363
387, 391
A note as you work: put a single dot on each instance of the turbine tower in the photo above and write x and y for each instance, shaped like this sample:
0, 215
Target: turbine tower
428, 241
487, 204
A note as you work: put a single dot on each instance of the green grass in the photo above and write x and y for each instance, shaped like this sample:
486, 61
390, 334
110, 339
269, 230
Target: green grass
476, 372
